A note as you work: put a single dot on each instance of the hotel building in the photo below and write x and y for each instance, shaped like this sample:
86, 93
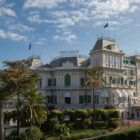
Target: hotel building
61, 81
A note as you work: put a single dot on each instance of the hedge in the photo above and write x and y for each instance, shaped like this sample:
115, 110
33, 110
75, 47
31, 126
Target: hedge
129, 134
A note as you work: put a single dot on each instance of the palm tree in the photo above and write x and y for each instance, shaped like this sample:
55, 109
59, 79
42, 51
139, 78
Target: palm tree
94, 81
32, 107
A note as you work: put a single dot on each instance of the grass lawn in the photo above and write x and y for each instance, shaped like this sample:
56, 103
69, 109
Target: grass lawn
75, 133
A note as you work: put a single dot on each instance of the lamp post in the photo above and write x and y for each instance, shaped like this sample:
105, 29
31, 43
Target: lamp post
129, 111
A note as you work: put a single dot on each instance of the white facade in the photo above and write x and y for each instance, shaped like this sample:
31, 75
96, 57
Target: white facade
62, 79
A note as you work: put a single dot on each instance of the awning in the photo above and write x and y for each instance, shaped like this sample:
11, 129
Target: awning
130, 93
104, 93
66, 94
117, 93
124, 93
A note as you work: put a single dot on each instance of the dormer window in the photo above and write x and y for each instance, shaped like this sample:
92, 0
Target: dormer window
110, 47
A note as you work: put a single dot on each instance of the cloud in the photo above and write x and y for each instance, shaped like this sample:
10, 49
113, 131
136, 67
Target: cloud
11, 35
7, 11
67, 15
68, 38
20, 27
133, 9
40, 41
43, 3
5, 8
36, 18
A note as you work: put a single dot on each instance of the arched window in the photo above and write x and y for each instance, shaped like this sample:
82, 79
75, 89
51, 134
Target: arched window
67, 80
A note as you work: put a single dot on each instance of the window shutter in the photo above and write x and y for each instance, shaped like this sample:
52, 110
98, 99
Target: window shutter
49, 82
80, 99
89, 99
54, 82
82, 81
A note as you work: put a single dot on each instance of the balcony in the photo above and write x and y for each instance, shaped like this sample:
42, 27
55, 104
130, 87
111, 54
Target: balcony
65, 87
129, 65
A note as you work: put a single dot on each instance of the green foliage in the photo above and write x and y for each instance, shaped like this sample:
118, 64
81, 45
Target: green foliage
101, 114
56, 114
33, 133
63, 130
33, 110
100, 124
113, 113
128, 134
10, 115
81, 113
90, 111
79, 124
87, 123
54, 124
70, 113
113, 123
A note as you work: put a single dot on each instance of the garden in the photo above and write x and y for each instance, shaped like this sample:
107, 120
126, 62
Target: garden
69, 124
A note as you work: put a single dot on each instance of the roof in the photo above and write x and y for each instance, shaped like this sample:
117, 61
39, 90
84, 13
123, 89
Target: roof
75, 61
106, 44
69, 62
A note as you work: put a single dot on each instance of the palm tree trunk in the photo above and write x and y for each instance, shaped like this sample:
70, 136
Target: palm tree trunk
2, 135
18, 113
93, 108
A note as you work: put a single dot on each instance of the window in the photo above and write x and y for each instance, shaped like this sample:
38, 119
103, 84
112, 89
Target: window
110, 79
54, 82
84, 99
67, 100
82, 81
52, 99
67, 80
49, 82
39, 83
81, 99
105, 100
122, 80
89, 99
96, 99
125, 82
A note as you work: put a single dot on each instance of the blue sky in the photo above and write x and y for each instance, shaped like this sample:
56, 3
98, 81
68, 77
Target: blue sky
56, 25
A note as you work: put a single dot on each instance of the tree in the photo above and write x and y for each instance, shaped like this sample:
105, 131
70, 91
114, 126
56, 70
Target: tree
6, 91
32, 107
21, 78
94, 81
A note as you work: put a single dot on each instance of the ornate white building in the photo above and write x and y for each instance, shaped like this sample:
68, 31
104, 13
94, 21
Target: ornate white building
62, 79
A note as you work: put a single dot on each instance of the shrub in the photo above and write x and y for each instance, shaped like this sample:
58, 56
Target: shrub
101, 114
90, 111
113, 113
33, 133
79, 124
113, 123
56, 113
87, 123
100, 124
128, 134
54, 124
81, 113
63, 130
71, 113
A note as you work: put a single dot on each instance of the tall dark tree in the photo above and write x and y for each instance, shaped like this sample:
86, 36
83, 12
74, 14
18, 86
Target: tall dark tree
20, 77
6, 91
94, 81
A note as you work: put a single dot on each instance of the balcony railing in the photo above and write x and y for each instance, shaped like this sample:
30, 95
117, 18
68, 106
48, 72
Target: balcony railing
65, 87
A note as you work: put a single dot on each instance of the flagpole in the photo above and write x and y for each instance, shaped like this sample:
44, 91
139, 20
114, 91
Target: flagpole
108, 26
